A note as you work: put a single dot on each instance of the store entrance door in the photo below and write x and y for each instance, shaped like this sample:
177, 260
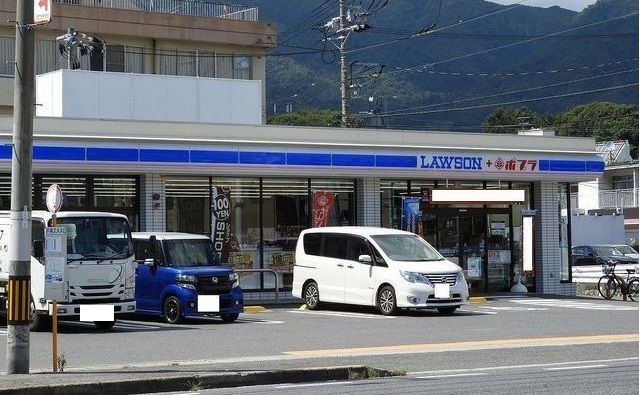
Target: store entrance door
477, 239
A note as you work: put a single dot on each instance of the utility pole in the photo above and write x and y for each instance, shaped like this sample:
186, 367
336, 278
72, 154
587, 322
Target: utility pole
19, 311
344, 79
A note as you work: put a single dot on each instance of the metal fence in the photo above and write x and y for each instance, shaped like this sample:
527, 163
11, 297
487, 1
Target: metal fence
196, 8
615, 198
619, 198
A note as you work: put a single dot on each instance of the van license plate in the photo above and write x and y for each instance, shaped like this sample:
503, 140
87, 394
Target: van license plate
443, 291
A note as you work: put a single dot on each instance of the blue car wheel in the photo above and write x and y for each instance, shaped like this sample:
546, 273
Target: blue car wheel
171, 311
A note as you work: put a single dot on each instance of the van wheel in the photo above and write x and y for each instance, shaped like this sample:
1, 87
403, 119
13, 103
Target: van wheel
312, 296
104, 325
229, 317
447, 310
387, 300
171, 310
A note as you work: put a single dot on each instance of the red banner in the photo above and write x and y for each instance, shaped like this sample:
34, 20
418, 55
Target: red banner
322, 206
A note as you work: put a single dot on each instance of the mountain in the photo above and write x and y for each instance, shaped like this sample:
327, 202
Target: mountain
476, 51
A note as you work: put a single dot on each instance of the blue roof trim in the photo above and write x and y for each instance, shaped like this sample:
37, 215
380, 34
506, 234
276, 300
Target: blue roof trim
113, 154
543, 165
5, 151
164, 155
396, 161
567, 165
58, 153
594, 166
228, 157
306, 159
262, 158
353, 160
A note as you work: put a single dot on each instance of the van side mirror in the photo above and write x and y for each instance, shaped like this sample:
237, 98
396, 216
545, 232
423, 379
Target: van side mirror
366, 259
38, 248
153, 251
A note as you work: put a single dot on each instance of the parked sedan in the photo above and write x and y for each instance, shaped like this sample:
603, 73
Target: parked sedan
599, 255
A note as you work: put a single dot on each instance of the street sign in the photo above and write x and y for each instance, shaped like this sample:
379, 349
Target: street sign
54, 198
55, 258
41, 12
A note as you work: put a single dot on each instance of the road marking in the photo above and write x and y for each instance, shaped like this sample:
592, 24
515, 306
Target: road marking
248, 321
477, 311
467, 345
535, 365
283, 386
343, 314
442, 376
572, 304
513, 308
578, 367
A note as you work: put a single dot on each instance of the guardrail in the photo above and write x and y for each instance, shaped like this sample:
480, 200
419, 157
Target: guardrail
275, 277
618, 198
181, 7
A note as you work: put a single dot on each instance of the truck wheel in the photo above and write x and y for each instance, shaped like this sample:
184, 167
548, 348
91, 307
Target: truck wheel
104, 325
171, 310
229, 317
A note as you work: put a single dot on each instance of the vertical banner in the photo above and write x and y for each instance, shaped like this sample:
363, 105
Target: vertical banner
55, 258
411, 214
322, 206
220, 226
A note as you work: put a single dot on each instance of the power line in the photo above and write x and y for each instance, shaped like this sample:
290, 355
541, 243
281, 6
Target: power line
396, 112
428, 65
510, 102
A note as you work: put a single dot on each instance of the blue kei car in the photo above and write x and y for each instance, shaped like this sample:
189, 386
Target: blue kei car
179, 275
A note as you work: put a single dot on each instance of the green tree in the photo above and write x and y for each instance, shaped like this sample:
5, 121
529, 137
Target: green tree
307, 117
603, 121
511, 119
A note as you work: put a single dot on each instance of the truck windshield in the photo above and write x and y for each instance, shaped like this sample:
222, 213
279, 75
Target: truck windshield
194, 252
97, 237
409, 248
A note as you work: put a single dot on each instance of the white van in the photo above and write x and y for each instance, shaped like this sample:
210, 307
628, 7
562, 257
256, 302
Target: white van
386, 268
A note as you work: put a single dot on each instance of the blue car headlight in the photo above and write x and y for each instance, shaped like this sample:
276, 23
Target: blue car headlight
233, 278
186, 281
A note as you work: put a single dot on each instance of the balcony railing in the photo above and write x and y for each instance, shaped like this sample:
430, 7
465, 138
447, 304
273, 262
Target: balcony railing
196, 8
615, 198
619, 198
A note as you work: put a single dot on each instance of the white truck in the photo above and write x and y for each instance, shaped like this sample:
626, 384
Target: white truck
99, 270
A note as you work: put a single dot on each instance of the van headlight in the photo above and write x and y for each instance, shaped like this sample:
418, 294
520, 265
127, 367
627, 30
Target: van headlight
233, 278
460, 277
414, 277
186, 281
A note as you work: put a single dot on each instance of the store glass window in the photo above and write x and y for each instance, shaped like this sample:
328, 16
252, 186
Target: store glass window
74, 189
564, 223
391, 193
286, 213
188, 202
5, 192
333, 202
241, 244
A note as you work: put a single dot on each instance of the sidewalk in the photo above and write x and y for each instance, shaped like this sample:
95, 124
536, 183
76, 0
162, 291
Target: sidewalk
171, 378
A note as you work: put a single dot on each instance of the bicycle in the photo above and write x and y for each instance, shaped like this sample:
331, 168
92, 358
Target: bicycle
608, 284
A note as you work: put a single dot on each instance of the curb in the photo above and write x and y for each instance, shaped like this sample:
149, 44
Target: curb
254, 309
477, 299
204, 381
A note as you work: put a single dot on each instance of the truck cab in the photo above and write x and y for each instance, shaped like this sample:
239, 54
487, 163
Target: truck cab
176, 270
99, 268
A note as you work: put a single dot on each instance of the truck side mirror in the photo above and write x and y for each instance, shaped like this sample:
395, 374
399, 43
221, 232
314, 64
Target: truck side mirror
38, 249
153, 251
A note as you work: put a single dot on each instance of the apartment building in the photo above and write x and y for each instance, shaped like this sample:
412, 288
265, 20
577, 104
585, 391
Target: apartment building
169, 37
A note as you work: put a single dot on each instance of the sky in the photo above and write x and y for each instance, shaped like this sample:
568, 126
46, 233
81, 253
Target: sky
575, 5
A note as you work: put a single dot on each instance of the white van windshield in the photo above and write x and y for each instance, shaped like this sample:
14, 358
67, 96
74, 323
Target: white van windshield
409, 248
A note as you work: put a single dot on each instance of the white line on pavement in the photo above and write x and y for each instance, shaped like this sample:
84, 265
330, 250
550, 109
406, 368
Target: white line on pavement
536, 365
442, 376
283, 386
343, 314
477, 312
578, 367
